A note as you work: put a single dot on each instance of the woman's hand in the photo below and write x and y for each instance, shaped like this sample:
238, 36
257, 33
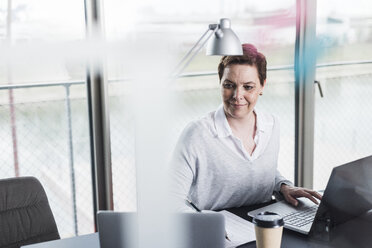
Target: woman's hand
291, 193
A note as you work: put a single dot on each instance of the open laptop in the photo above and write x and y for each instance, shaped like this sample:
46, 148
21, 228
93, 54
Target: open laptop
199, 230
348, 194
117, 229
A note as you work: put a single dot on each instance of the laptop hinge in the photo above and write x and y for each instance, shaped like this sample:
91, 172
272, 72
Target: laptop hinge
321, 228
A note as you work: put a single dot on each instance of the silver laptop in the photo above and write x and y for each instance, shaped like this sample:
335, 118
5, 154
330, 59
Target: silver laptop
119, 229
298, 218
346, 196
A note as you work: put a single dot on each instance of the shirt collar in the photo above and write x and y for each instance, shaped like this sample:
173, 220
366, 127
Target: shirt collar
223, 128
220, 121
260, 122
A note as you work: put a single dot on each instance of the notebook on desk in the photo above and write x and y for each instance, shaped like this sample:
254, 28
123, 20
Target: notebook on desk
347, 195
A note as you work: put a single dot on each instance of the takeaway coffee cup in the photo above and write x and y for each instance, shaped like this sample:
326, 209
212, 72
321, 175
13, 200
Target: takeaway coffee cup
269, 229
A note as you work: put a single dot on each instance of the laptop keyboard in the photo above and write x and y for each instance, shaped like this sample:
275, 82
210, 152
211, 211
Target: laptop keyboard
302, 218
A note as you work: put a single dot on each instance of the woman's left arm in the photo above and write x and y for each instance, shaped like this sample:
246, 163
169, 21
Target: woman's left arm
290, 194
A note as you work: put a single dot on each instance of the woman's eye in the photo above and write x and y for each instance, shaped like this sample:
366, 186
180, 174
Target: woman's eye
228, 86
247, 87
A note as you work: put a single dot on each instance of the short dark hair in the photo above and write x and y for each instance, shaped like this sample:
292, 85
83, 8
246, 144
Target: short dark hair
250, 57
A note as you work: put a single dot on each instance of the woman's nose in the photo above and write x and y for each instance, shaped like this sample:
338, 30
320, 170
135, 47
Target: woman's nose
237, 93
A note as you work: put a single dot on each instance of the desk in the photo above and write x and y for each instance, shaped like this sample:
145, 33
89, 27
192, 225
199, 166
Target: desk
355, 233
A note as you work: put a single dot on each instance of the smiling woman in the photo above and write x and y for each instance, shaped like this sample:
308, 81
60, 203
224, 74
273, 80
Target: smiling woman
229, 158
241, 85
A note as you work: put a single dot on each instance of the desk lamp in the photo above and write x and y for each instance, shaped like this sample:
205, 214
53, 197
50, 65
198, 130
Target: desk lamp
224, 42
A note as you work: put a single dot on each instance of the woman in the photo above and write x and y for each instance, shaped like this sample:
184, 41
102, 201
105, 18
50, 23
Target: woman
229, 158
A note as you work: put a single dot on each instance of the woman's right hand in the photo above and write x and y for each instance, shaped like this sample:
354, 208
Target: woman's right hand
290, 194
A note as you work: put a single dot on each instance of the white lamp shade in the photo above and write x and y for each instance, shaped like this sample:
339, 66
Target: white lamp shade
224, 42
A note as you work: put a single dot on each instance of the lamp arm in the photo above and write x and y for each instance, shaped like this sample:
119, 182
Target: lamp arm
189, 52
187, 58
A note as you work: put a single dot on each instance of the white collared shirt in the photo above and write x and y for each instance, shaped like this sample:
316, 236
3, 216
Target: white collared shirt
262, 136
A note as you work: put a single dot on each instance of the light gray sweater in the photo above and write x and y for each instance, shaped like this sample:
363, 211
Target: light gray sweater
212, 176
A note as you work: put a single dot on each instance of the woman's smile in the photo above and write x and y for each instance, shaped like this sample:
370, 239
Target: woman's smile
239, 105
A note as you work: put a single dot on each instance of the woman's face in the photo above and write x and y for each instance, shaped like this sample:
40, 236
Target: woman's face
240, 89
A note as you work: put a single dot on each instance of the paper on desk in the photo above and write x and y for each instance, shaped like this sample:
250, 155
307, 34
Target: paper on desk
239, 230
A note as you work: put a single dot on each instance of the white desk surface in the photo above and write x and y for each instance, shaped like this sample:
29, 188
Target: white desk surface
88, 240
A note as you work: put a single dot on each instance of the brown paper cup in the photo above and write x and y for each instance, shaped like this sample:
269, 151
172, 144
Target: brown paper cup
269, 230
268, 237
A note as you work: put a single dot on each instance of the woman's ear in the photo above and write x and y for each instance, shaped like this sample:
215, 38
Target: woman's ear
262, 88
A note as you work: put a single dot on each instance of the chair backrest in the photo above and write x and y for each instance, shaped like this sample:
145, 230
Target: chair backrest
25, 214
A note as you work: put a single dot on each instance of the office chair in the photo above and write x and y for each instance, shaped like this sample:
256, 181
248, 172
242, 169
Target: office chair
25, 214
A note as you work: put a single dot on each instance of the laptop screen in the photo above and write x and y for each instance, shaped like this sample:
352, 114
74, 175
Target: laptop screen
348, 195
349, 190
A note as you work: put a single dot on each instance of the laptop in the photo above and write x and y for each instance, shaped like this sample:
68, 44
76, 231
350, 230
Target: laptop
348, 194
117, 229
199, 230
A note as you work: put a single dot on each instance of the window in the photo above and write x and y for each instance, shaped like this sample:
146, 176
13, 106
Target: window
43, 120
342, 116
